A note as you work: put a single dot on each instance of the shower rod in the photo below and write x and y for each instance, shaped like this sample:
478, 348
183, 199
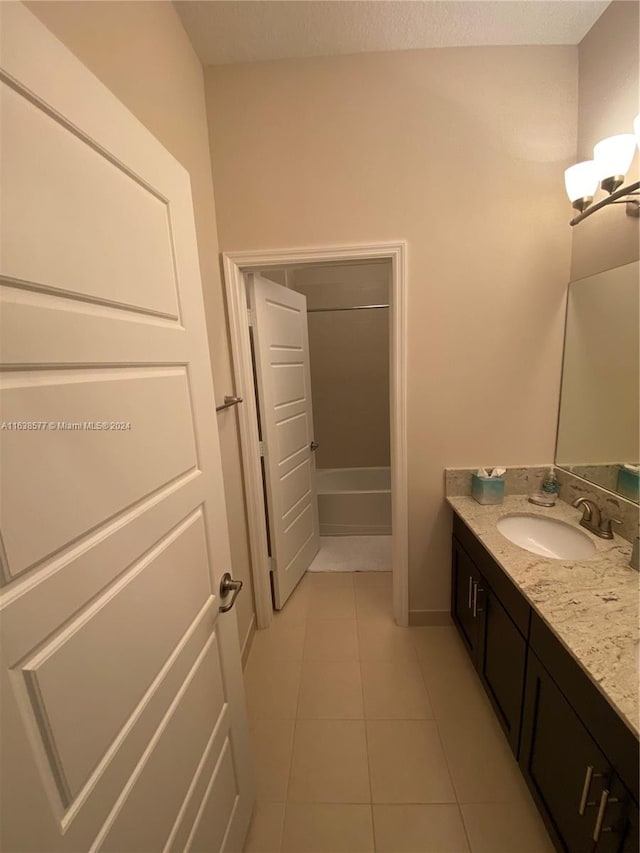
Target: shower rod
350, 308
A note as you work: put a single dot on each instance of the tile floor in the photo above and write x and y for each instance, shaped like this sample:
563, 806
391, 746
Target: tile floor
370, 737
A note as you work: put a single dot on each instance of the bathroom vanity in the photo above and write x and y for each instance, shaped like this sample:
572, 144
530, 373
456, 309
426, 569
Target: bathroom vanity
554, 643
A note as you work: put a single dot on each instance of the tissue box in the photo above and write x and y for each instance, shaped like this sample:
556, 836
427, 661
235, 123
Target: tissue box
629, 483
487, 490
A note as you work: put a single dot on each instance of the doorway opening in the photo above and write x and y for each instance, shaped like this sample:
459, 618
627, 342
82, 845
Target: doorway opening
338, 315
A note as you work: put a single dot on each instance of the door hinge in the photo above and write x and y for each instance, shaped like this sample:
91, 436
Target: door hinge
272, 564
251, 317
262, 448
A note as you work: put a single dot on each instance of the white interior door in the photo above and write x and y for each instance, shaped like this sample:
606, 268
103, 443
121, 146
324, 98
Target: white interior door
121, 699
281, 348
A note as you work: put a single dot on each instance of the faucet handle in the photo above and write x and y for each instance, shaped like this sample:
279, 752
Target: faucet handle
605, 525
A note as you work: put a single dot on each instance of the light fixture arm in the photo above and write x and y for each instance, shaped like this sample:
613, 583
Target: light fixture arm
617, 196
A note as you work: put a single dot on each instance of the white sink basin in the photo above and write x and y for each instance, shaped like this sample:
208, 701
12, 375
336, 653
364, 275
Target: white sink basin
547, 537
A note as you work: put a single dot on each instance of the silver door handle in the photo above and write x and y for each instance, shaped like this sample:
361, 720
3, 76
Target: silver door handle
227, 585
314, 446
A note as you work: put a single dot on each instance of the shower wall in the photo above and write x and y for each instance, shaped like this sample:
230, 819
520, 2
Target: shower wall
349, 354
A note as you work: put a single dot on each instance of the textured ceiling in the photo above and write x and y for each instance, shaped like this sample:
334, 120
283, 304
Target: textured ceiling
224, 31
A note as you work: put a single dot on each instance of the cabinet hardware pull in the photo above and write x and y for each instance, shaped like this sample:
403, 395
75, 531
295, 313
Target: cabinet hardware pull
470, 586
605, 799
588, 776
475, 600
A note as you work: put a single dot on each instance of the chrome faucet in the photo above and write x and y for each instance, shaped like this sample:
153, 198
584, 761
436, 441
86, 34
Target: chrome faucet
593, 520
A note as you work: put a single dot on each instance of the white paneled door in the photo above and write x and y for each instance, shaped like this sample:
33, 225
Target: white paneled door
281, 350
122, 706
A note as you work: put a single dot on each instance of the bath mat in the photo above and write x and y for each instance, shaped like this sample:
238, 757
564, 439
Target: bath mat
353, 554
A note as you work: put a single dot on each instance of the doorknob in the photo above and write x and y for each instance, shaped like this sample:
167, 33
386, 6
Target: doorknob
227, 585
314, 446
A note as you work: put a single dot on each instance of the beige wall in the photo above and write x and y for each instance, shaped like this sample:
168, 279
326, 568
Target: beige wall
349, 354
460, 152
142, 53
609, 101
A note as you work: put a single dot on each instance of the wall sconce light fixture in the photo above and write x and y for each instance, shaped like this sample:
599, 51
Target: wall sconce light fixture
612, 159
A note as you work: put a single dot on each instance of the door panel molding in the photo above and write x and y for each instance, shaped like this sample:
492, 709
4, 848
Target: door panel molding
70, 664
34, 606
98, 628
30, 468
235, 266
283, 385
105, 781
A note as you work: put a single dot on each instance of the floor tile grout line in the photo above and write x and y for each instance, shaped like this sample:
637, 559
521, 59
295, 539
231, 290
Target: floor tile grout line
379, 803
439, 733
423, 668
461, 801
364, 726
295, 728
293, 743
464, 827
366, 745
282, 820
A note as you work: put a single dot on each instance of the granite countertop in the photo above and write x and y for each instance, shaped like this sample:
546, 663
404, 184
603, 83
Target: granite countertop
591, 604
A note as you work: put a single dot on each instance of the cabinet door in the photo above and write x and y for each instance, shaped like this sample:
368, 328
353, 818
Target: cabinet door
464, 598
631, 842
502, 661
563, 766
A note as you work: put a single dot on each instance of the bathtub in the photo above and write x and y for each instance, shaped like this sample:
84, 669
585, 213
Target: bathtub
354, 501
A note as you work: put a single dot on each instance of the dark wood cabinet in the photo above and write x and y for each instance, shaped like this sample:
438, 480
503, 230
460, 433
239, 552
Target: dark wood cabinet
577, 755
501, 664
631, 843
583, 802
496, 646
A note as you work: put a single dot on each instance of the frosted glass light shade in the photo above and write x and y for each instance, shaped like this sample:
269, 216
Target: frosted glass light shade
581, 180
613, 156
636, 128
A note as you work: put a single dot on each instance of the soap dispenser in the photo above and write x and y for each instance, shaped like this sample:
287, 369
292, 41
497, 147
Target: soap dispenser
550, 482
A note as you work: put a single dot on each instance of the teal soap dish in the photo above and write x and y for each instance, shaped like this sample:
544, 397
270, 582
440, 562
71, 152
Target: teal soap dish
628, 483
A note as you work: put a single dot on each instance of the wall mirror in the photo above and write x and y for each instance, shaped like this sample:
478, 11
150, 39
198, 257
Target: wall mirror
599, 423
